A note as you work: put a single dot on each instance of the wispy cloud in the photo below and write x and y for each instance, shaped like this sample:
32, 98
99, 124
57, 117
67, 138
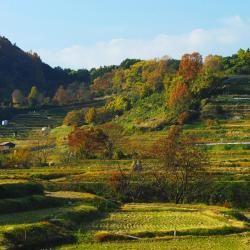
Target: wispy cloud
231, 33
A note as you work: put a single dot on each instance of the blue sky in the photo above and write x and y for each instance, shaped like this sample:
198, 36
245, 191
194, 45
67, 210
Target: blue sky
87, 33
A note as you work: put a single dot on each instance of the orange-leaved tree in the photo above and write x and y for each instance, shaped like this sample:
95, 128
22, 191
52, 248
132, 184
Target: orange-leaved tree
86, 142
183, 166
180, 98
190, 66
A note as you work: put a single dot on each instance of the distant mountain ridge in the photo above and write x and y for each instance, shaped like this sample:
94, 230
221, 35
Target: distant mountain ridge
21, 70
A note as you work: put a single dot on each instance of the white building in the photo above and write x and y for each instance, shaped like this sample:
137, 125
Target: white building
5, 122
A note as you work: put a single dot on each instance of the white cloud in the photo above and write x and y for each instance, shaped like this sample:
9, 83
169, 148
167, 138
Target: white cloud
232, 33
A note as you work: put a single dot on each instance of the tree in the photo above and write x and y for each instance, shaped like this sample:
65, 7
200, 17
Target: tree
213, 64
102, 85
183, 165
127, 63
60, 96
17, 97
83, 93
33, 96
118, 105
86, 142
190, 66
118, 80
74, 118
90, 115
180, 98
21, 158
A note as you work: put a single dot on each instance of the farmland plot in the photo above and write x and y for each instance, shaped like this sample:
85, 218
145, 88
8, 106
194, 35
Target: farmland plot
161, 219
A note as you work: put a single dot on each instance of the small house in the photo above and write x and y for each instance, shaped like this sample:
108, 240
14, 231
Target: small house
5, 122
6, 146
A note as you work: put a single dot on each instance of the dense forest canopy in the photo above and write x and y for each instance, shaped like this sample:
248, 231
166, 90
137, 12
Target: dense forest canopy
20, 71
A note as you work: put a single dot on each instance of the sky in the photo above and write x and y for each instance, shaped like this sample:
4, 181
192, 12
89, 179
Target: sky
92, 33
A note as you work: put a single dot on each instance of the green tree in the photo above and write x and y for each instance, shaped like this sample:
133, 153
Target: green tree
213, 64
118, 105
90, 115
33, 97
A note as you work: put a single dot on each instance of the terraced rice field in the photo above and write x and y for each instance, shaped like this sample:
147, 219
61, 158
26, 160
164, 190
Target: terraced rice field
139, 219
231, 242
32, 121
203, 227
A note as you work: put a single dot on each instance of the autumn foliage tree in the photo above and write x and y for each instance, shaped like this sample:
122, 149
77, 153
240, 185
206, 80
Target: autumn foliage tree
60, 96
190, 66
17, 97
74, 118
183, 165
87, 142
90, 115
102, 84
179, 99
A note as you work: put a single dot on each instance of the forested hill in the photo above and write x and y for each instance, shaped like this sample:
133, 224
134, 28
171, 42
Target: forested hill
21, 70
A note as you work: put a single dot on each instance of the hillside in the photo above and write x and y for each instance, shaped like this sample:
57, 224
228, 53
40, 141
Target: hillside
21, 70
79, 183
